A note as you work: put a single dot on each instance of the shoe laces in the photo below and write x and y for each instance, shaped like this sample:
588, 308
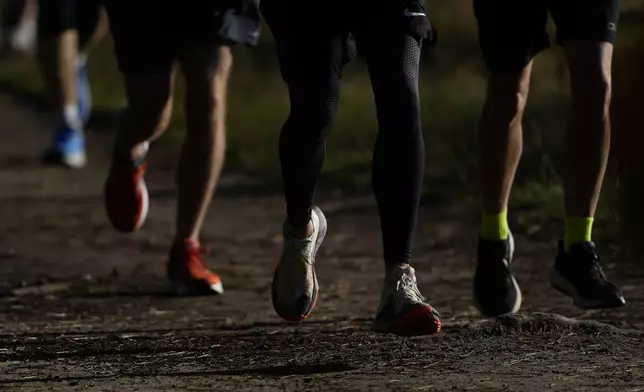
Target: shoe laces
591, 260
406, 285
195, 258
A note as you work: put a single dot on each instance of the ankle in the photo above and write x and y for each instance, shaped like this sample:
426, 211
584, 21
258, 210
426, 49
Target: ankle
494, 226
132, 153
391, 266
578, 230
186, 242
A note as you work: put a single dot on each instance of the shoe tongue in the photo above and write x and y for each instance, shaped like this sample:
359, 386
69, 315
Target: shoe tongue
401, 281
396, 273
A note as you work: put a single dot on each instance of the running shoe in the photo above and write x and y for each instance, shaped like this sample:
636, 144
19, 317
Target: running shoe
67, 148
579, 275
403, 310
295, 285
126, 195
496, 292
188, 273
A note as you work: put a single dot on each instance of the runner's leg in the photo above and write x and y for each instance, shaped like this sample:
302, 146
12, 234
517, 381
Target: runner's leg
509, 45
311, 54
146, 58
58, 51
206, 69
58, 58
393, 59
587, 31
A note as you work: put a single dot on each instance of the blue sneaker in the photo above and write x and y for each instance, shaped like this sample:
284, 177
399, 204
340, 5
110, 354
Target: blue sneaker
84, 92
67, 148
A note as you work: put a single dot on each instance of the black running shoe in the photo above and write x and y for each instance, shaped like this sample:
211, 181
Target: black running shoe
496, 292
579, 275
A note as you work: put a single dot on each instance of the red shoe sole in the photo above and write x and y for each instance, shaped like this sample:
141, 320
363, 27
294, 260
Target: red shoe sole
416, 321
134, 220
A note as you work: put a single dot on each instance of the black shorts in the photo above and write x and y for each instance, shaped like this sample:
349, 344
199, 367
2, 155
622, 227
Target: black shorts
315, 47
11, 14
513, 32
56, 16
150, 34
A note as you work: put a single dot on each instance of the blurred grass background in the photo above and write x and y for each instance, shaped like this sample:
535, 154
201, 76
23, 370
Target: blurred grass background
453, 82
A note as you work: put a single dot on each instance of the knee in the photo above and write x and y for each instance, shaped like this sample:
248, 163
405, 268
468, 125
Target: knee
606, 93
313, 107
603, 91
507, 97
590, 66
594, 94
149, 102
225, 65
153, 115
207, 85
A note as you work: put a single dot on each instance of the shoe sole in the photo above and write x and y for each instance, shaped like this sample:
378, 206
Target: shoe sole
519, 297
318, 241
75, 161
145, 206
413, 322
198, 288
70, 161
562, 285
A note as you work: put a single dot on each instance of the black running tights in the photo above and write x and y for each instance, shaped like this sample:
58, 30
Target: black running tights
398, 158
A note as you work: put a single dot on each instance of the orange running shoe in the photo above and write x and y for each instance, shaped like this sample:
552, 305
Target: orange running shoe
126, 196
188, 273
403, 310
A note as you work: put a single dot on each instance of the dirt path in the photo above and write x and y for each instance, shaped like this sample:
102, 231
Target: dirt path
84, 308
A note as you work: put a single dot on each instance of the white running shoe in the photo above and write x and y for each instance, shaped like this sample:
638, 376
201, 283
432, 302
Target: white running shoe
403, 310
295, 285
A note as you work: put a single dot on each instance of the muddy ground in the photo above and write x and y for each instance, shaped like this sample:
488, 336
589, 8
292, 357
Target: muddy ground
84, 308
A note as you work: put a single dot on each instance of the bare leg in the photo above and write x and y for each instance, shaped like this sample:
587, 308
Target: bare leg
58, 56
202, 157
501, 137
147, 116
496, 291
577, 272
588, 137
148, 113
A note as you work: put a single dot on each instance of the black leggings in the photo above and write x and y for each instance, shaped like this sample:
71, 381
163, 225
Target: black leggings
311, 65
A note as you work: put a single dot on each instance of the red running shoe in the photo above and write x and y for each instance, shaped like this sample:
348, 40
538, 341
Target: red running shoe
188, 273
126, 196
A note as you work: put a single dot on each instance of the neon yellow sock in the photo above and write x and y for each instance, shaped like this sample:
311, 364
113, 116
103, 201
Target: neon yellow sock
495, 226
577, 230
